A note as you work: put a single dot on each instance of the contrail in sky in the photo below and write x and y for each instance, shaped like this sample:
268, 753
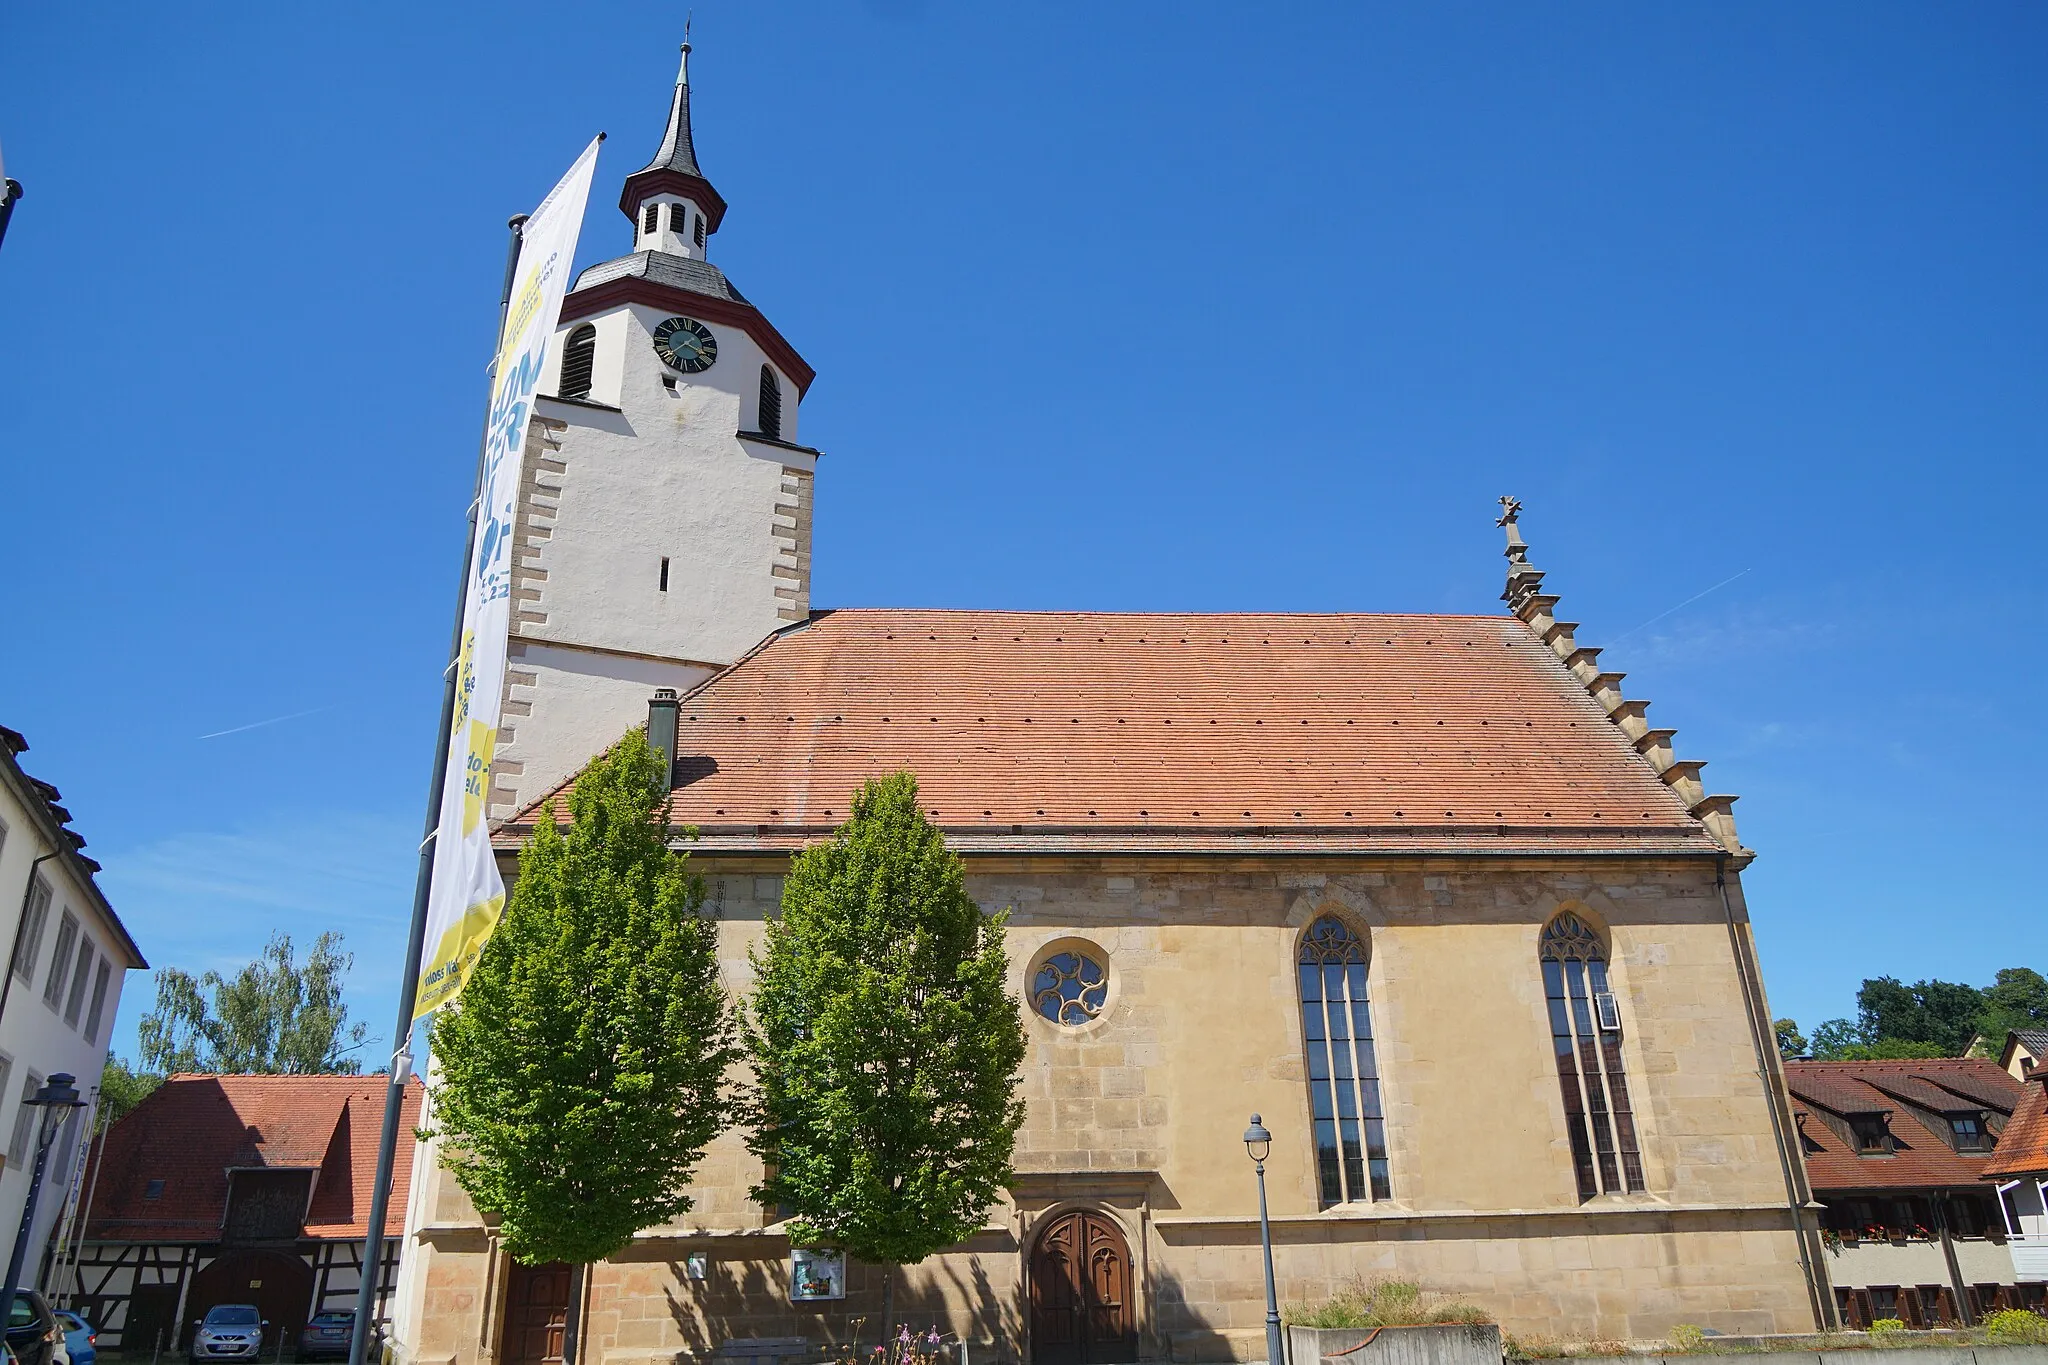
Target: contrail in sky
274, 720
1668, 610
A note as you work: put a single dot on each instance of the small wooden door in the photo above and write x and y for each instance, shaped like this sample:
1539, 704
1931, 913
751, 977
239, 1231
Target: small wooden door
1081, 1309
536, 1313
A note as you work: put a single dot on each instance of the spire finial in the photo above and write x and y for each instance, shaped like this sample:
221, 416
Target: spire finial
683, 71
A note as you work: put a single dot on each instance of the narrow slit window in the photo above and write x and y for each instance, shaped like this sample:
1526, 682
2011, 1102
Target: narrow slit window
1585, 1036
579, 358
1348, 1124
771, 405
664, 573
650, 218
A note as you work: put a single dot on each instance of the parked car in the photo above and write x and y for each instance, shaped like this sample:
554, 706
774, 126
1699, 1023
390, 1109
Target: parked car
326, 1336
229, 1331
81, 1338
32, 1331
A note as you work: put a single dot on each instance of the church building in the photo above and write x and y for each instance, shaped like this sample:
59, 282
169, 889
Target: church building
1428, 892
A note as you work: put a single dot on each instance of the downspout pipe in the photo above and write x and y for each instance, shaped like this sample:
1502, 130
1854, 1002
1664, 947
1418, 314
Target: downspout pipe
1759, 1034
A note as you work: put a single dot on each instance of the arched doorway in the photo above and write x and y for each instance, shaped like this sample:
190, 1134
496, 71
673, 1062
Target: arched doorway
1081, 1304
280, 1285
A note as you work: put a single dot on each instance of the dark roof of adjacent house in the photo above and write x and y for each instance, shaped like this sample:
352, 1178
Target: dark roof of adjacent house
63, 843
164, 1167
1170, 731
2023, 1146
2034, 1040
1916, 1097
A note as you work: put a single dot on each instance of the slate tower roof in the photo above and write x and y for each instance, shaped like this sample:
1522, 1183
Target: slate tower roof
674, 167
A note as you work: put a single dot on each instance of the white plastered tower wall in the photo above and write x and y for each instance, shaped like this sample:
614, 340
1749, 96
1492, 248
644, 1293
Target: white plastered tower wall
609, 496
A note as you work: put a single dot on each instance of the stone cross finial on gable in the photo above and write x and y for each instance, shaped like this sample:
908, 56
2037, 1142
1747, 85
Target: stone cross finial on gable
1522, 579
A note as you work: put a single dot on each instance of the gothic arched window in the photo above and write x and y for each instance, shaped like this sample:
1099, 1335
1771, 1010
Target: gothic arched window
770, 424
1585, 1035
1343, 1074
577, 358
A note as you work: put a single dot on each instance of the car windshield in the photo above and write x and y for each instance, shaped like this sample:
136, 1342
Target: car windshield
231, 1315
333, 1319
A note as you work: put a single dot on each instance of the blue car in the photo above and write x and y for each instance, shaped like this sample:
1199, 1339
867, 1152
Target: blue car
81, 1338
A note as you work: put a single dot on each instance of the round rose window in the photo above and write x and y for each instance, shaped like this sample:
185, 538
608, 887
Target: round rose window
1069, 988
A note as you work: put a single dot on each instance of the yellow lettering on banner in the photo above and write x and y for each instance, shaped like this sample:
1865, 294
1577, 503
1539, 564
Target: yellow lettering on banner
447, 971
476, 773
525, 304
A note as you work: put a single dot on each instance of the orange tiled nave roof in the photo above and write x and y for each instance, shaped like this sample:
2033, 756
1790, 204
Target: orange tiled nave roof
1175, 731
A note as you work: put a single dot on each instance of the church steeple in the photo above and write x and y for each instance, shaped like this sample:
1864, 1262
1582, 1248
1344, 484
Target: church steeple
673, 206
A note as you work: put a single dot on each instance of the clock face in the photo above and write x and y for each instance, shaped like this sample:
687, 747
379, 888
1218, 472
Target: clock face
687, 344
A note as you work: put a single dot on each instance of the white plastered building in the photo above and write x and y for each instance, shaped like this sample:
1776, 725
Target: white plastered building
69, 955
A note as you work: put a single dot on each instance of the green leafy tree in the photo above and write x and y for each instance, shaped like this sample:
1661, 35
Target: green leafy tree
2018, 999
1791, 1042
581, 1070
274, 1016
1943, 1013
1832, 1038
121, 1090
885, 1042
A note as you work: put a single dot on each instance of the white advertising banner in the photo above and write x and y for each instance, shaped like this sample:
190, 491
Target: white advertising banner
468, 896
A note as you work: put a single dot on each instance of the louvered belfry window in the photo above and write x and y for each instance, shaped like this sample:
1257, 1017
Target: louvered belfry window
771, 405
577, 359
1343, 1073
1585, 1036
679, 219
650, 218
700, 229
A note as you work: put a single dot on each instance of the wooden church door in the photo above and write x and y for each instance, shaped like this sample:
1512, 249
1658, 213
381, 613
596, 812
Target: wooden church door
536, 1313
1081, 1308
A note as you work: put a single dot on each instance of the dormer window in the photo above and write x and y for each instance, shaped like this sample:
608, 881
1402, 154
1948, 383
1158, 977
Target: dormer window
1969, 1132
1870, 1135
650, 218
679, 219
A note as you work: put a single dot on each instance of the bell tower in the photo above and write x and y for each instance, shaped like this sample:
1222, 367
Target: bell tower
664, 520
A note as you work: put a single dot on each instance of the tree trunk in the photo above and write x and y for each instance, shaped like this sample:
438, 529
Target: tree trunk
889, 1311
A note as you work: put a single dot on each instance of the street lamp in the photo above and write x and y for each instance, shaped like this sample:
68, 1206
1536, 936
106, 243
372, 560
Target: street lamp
58, 1093
1258, 1145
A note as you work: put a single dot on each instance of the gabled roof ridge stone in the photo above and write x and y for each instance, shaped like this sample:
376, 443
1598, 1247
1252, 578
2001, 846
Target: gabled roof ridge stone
1537, 610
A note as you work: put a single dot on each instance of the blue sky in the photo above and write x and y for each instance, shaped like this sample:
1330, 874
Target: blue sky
1181, 306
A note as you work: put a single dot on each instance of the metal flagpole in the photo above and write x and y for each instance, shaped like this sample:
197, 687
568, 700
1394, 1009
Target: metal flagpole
372, 1278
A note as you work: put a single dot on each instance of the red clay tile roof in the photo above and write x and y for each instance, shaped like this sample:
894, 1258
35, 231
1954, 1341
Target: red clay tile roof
2023, 1146
1170, 730
194, 1129
1923, 1157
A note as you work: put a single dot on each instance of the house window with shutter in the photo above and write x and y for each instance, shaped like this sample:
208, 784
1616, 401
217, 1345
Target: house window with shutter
1585, 1036
770, 424
60, 961
1348, 1123
578, 356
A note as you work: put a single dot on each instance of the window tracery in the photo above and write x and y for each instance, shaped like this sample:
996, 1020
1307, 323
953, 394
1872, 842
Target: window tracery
1069, 988
1347, 1120
1585, 1035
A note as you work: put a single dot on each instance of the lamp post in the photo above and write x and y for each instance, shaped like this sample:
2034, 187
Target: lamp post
1258, 1144
58, 1093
